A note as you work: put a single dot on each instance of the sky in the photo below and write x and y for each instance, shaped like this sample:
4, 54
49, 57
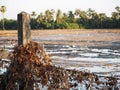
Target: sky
14, 7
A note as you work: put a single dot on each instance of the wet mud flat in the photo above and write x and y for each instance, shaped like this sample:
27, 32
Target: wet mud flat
91, 51
100, 61
76, 58
94, 50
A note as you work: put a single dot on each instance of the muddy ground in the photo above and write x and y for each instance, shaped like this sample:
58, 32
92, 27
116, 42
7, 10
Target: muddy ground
96, 51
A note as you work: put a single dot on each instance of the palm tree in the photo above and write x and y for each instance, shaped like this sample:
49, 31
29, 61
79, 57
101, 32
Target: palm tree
49, 17
77, 12
82, 16
33, 14
59, 16
40, 18
80, 13
3, 10
117, 9
102, 17
91, 13
71, 17
116, 16
65, 17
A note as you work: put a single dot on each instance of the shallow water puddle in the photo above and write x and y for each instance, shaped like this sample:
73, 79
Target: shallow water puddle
104, 62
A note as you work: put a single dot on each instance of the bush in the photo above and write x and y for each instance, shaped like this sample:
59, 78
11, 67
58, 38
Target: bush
72, 26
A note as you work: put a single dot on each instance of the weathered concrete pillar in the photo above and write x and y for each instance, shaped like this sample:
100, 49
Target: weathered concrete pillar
24, 32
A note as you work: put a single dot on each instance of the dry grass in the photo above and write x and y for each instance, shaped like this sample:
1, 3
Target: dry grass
8, 33
59, 31
75, 31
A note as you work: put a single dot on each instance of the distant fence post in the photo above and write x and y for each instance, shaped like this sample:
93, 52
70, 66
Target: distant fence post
24, 27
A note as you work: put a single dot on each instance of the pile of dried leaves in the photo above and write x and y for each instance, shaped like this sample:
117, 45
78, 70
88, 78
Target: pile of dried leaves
32, 69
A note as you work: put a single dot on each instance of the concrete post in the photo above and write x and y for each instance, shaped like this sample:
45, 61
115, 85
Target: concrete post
24, 32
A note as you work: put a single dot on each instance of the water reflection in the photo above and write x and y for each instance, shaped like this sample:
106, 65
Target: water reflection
104, 62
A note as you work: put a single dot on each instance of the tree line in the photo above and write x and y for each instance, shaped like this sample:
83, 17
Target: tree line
77, 19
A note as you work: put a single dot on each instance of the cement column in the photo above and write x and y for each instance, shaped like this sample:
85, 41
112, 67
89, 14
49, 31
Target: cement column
24, 27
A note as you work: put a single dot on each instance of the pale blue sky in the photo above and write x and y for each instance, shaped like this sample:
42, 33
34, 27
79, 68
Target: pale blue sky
16, 6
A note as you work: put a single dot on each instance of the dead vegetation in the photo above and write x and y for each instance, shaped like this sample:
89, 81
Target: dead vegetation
32, 69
